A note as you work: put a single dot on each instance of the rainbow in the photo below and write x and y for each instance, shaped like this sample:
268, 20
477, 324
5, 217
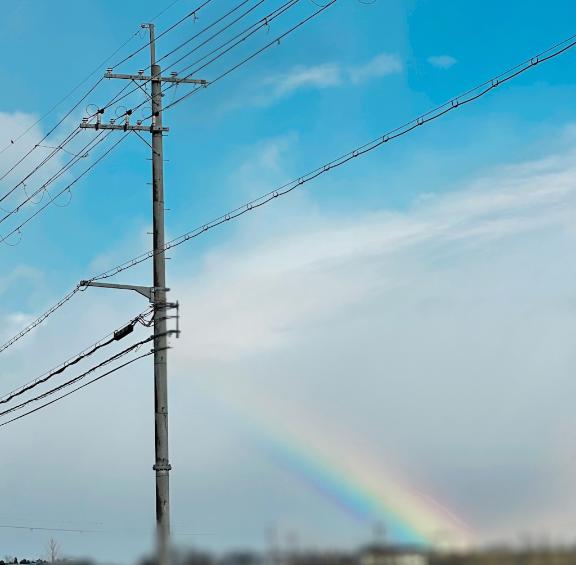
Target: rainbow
351, 478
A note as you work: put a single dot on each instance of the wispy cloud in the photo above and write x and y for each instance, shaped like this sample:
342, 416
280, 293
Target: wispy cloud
330, 75
448, 298
320, 76
380, 66
449, 312
513, 201
442, 61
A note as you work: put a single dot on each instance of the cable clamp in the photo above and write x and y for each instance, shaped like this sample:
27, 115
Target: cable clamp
163, 466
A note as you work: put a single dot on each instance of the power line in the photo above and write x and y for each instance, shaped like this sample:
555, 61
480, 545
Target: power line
80, 377
76, 389
116, 98
470, 96
81, 83
33, 148
540, 56
264, 22
40, 318
78, 288
115, 336
51, 131
162, 12
65, 189
482, 89
83, 152
247, 32
44, 116
70, 93
88, 531
43, 187
43, 529
275, 41
260, 24
191, 14
68, 139
211, 25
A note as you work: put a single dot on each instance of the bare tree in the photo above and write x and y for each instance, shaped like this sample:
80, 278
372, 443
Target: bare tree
53, 551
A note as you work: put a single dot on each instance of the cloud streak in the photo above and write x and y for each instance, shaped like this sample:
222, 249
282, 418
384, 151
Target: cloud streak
442, 61
380, 66
435, 339
515, 200
331, 75
448, 314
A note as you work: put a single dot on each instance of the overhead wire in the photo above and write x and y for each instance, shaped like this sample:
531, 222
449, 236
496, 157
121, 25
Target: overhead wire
53, 129
191, 14
267, 18
113, 337
32, 528
55, 151
37, 321
83, 152
56, 126
247, 32
275, 41
67, 188
84, 81
459, 101
68, 139
70, 93
77, 378
50, 132
211, 25
162, 12
237, 40
44, 529
456, 102
92, 381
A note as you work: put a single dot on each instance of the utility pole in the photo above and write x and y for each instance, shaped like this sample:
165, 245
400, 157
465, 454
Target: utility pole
158, 292
162, 465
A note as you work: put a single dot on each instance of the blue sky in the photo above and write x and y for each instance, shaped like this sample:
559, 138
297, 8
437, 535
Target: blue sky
203, 129
435, 270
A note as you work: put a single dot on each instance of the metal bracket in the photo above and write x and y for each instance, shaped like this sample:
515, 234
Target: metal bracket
121, 127
171, 306
147, 291
148, 78
162, 467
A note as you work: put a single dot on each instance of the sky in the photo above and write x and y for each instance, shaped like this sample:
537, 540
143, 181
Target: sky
390, 346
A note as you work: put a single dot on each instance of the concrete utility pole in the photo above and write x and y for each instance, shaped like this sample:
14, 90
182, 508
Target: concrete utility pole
156, 293
162, 465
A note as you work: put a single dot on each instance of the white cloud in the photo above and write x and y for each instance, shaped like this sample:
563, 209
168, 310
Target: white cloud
441, 336
514, 200
442, 61
330, 75
382, 65
320, 76
19, 275
456, 313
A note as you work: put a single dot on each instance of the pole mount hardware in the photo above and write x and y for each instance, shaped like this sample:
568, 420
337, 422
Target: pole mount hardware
162, 467
147, 291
